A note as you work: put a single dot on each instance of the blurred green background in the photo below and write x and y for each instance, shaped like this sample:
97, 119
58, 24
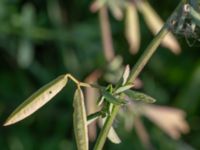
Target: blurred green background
40, 40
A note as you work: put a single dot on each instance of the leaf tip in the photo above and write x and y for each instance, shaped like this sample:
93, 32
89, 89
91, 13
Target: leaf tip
7, 123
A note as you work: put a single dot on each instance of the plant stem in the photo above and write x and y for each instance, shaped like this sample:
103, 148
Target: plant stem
104, 132
134, 73
147, 55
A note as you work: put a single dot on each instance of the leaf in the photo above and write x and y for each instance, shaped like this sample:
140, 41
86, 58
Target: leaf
80, 121
138, 96
126, 74
110, 98
155, 23
112, 135
25, 53
132, 30
123, 88
37, 100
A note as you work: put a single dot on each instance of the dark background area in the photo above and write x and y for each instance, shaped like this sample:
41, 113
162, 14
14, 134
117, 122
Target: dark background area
39, 40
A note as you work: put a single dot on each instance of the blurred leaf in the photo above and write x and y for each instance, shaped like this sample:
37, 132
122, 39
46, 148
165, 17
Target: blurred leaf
138, 96
28, 16
189, 96
155, 23
132, 28
170, 120
116, 8
97, 4
25, 53
54, 12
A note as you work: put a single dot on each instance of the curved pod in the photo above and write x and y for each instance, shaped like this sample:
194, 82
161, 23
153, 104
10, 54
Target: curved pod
37, 100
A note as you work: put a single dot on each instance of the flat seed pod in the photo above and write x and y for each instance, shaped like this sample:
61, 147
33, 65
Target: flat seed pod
37, 100
80, 121
138, 96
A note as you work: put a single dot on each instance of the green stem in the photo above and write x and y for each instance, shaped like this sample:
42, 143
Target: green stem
152, 47
134, 73
104, 132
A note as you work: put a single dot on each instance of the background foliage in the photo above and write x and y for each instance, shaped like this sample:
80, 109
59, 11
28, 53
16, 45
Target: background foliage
40, 40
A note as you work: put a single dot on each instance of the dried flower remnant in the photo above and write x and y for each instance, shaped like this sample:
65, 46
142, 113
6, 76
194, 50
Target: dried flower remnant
170, 120
155, 23
132, 29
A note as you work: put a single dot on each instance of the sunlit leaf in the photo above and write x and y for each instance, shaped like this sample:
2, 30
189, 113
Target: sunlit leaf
80, 121
138, 96
37, 100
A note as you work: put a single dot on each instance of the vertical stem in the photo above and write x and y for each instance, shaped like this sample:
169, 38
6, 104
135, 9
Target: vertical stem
134, 73
104, 132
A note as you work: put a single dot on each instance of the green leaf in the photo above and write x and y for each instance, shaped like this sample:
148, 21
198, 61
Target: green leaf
123, 88
126, 74
138, 96
37, 100
80, 121
110, 98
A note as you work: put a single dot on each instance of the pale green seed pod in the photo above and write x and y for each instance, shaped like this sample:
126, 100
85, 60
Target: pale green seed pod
80, 121
37, 100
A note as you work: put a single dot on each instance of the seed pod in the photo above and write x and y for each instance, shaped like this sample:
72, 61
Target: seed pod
138, 96
80, 121
37, 100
